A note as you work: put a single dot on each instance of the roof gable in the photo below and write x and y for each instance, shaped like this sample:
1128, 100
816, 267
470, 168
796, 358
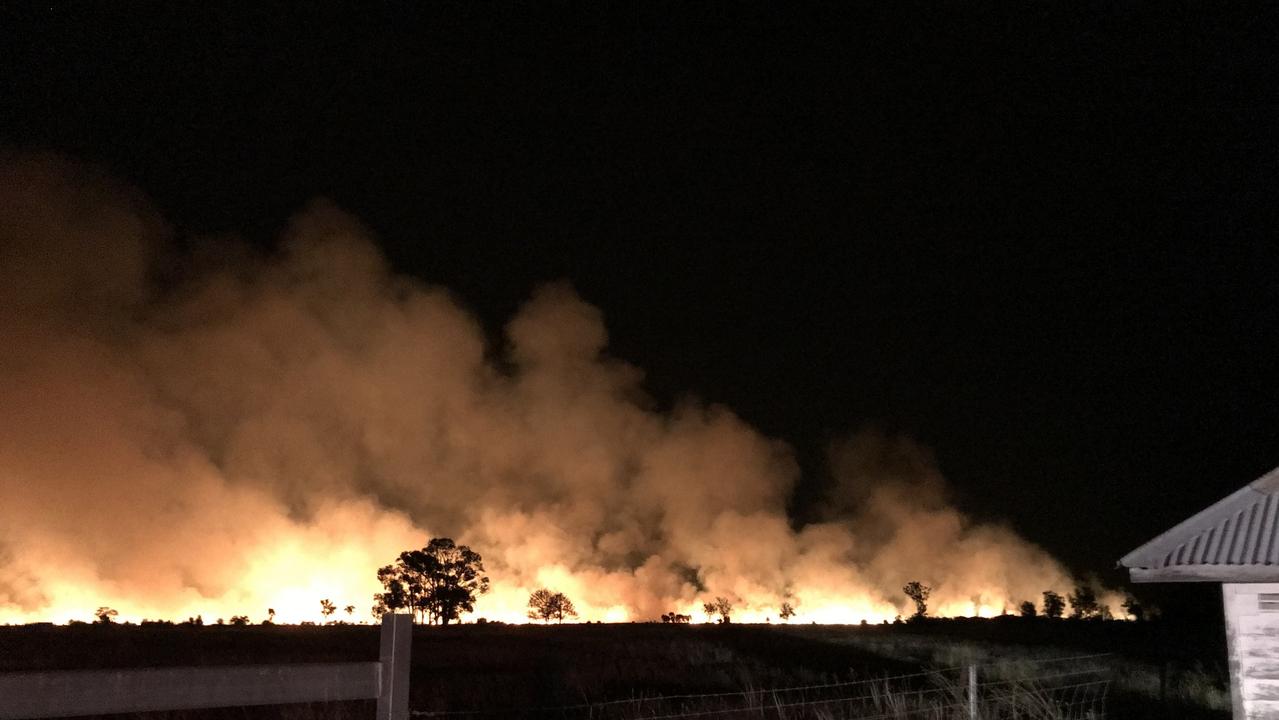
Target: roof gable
1233, 540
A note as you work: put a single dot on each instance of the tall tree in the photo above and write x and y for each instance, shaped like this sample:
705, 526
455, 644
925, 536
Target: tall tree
918, 592
724, 607
1134, 608
1083, 603
547, 605
395, 595
437, 583
1054, 604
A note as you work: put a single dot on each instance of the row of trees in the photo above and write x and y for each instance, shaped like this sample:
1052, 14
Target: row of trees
1083, 604
443, 580
327, 608
106, 615
437, 583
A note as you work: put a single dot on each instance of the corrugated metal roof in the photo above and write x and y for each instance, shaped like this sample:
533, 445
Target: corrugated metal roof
1234, 540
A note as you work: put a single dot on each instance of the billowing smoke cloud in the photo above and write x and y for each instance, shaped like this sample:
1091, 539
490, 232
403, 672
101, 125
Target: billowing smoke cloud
222, 431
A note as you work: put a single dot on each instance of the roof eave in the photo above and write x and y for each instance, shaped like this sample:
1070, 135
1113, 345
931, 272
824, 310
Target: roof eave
1153, 552
1206, 573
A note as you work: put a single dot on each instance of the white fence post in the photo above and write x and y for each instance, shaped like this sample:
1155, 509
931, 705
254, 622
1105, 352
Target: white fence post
972, 692
397, 641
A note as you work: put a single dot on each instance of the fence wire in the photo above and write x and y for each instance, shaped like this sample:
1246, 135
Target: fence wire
1065, 688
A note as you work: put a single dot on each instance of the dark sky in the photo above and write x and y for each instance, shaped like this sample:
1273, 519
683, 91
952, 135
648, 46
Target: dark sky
1040, 242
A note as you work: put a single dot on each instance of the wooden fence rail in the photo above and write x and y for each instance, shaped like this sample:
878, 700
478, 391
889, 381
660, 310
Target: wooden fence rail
99, 692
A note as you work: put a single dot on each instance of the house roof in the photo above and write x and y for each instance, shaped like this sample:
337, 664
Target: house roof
1234, 540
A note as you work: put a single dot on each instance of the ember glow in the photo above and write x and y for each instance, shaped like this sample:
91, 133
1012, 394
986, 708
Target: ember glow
217, 432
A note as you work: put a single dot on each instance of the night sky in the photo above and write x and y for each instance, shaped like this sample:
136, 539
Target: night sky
1042, 243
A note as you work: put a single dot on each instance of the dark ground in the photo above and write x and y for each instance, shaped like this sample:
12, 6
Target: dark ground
499, 669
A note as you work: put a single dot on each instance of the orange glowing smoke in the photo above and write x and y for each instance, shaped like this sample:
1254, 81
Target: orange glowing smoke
264, 431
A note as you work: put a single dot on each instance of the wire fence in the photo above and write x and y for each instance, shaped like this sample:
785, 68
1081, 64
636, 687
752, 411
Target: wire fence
1067, 688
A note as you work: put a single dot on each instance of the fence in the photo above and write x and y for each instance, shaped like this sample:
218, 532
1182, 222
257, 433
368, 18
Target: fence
101, 692
1069, 688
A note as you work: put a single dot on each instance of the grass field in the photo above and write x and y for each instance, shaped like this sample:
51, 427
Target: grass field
505, 671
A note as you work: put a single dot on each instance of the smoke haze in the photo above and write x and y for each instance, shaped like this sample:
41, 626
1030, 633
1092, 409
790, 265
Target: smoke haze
220, 430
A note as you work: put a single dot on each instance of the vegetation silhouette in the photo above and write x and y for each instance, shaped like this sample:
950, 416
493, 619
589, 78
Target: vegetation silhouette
493, 666
721, 606
1083, 603
547, 605
437, 583
919, 593
1134, 608
1054, 604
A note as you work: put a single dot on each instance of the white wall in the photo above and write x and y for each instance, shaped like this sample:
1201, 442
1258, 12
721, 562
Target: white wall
1252, 636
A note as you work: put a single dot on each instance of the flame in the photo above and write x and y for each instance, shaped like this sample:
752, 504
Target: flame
292, 575
292, 581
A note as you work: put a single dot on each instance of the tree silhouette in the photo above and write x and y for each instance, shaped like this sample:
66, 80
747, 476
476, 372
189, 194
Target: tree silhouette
1027, 609
1054, 604
270, 616
547, 605
1083, 603
327, 607
1134, 608
396, 594
239, 620
787, 612
350, 610
719, 606
918, 592
105, 615
437, 583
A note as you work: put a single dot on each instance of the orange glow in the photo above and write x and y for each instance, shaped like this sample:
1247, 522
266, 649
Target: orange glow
267, 435
292, 581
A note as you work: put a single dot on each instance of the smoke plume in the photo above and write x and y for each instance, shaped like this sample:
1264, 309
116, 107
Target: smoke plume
221, 430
